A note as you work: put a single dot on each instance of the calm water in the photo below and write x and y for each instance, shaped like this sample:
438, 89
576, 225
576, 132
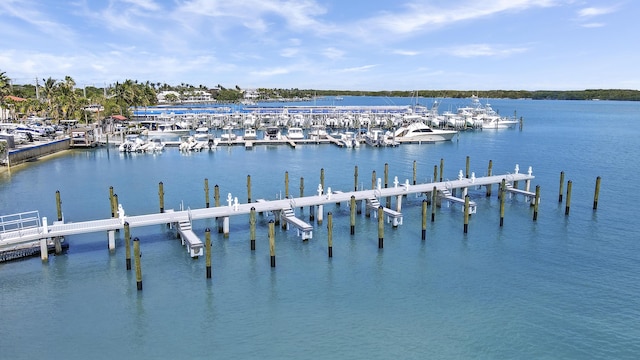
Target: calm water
564, 287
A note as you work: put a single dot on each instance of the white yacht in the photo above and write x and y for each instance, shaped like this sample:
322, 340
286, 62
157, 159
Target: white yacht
418, 131
249, 134
295, 133
318, 132
272, 133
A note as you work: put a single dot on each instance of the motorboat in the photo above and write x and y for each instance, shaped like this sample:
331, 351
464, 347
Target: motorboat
348, 139
153, 145
250, 134
295, 133
419, 131
228, 134
131, 143
164, 128
189, 143
374, 137
272, 133
202, 134
318, 132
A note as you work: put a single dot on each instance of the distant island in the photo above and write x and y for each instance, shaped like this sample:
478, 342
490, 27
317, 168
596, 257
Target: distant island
589, 94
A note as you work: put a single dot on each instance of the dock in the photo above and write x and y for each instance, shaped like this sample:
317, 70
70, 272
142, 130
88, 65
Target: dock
39, 231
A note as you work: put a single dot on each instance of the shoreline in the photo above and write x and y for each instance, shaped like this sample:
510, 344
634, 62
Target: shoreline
8, 169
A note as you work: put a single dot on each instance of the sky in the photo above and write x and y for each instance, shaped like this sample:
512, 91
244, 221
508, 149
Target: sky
326, 44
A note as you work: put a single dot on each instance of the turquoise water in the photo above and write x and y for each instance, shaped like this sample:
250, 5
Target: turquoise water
562, 287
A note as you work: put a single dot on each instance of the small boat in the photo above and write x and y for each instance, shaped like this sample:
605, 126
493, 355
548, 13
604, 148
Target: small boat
202, 134
374, 137
250, 134
272, 133
153, 145
189, 143
318, 132
348, 139
228, 134
295, 133
132, 143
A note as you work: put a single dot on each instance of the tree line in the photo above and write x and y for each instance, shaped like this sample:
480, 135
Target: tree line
61, 99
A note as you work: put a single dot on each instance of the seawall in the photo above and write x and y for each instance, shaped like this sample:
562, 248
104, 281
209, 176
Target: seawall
19, 156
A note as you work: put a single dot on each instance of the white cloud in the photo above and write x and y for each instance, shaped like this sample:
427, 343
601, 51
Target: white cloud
406, 52
421, 17
593, 25
289, 52
333, 53
476, 50
270, 72
594, 11
358, 68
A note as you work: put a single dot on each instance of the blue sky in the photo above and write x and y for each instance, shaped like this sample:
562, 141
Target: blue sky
326, 44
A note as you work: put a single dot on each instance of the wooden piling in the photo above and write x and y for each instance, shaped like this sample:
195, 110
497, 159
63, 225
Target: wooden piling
207, 247
466, 213
301, 192
380, 227
596, 193
161, 195
468, 167
322, 178
115, 203
386, 175
206, 192
535, 205
216, 195
113, 210
561, 186
286, 184
252, 228
272, 243
435, 173
434, 199
386, 183
568, 203
424, 219
57, 245
59, 205
441, 169
503, 187
355, 178
352, 213
330, 233
136, 259
127, 246
373, 180
415, 172
248, 189
489, 170
367, 211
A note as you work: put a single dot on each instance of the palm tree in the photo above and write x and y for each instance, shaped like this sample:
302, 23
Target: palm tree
5, 89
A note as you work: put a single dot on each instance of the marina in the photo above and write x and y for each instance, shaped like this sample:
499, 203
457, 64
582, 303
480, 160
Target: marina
562, 286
